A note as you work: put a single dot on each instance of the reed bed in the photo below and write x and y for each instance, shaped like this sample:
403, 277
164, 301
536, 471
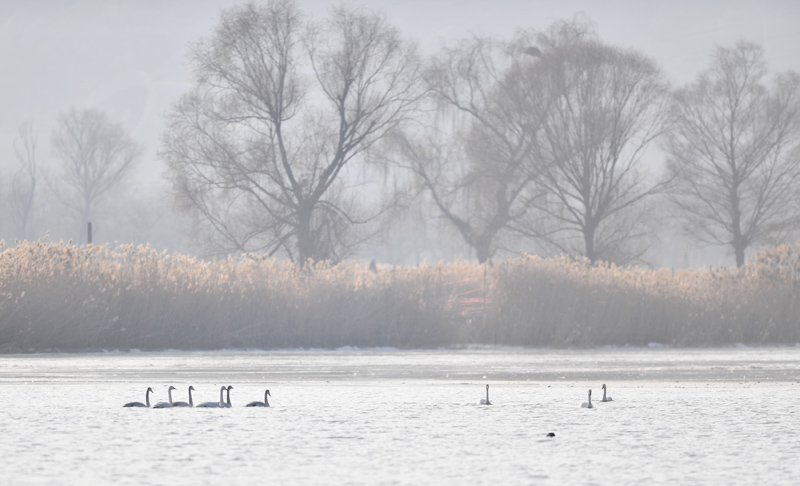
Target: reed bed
57, 296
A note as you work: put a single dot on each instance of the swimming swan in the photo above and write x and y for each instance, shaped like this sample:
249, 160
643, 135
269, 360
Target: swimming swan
140, 404
606, 399
485, 401
227, 404
184, 404
265, 403
589, 403
214, 404
166, 404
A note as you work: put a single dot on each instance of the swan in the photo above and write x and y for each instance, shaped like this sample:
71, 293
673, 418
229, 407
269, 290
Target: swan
485, 401
140, 404
589, 403
228, 403
166, 404
606, 399
265, 403
214, 404
551, 434
184, 404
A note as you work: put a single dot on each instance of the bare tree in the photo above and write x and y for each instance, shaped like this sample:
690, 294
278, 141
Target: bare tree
23, 185
96, 154
478, 170
735, 151
260, 149
601, 108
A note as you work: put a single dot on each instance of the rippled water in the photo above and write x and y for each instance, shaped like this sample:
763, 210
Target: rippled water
395, 417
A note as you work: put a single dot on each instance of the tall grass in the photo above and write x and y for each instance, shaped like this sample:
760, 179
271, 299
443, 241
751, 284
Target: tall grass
56, 296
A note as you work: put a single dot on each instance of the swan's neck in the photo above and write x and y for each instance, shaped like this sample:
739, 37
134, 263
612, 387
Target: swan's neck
266, 399
228, 401
221, 391
590, 399
170, 395
487, 395
604, 394
147, 397
191, 404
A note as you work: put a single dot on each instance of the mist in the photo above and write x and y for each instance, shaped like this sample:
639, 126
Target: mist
129, 60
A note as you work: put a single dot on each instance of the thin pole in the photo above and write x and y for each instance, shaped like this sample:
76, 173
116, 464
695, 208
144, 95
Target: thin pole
89, 232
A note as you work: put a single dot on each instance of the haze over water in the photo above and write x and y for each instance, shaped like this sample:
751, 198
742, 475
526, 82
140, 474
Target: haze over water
405, 417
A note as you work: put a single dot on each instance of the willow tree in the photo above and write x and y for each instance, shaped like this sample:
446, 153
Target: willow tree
602, 107
282, 106
735, 152
475, 159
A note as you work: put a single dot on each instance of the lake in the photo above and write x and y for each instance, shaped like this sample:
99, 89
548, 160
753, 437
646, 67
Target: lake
699, 416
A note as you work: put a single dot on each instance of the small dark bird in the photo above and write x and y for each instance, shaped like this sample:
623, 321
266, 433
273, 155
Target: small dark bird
533, 51
550, 434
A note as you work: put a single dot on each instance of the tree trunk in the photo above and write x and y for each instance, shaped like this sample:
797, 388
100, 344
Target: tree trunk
739, 246
483, 250
588, 241
305, 239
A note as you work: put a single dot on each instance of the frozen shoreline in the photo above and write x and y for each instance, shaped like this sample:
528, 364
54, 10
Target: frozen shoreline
731, 364
388, 349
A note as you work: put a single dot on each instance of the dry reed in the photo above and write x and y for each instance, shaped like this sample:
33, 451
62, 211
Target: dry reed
56, 296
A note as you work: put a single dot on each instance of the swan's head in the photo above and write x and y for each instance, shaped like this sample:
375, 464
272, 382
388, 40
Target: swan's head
230, 387
171, 388
590, 392
487, 387
191, 387
268, 393
604, 386
149, 390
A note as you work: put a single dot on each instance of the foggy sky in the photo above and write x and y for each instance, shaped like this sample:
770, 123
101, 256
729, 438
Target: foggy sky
128, 57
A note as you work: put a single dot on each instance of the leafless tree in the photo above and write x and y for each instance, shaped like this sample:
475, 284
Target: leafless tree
478, 168
96, 155
260, 149
735, 151
601, 108
23, 185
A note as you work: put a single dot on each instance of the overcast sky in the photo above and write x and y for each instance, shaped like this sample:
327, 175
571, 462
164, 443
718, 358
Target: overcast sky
128, 56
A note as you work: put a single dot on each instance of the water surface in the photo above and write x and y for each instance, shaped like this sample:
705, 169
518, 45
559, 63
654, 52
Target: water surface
398, 417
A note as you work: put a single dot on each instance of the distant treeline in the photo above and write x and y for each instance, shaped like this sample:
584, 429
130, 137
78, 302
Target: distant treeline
59, 297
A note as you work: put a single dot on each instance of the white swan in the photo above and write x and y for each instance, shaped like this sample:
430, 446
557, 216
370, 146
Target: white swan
214, 404
140, 404
589, 403
227, 404
485, 401
265, 403
184, 404
166, 404
606, 399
